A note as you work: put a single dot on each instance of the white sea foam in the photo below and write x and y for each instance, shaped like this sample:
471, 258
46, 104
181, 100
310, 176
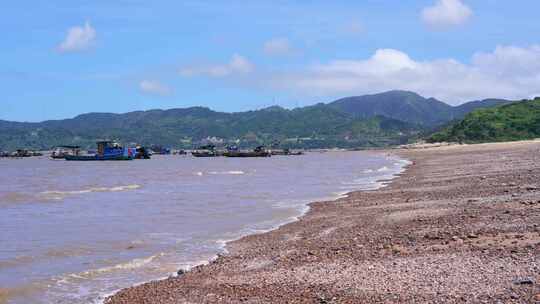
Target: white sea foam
227, 172
55, 194
133, 264
383, 169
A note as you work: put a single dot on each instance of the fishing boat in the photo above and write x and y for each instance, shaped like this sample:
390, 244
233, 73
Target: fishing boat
158, 149
142, 153
257, 152
206, 151
107, 150
22, 153
61, 152
179, 152
287, 152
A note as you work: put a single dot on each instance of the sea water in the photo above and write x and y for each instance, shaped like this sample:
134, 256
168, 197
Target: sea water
73, 232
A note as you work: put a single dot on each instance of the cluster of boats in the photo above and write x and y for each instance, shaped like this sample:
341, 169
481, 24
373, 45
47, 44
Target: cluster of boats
106, 150
211, 151
20, 153
109, 150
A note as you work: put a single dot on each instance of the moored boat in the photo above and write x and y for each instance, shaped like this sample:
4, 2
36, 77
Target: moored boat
179, 152
107, 150
257, 152
61, 152
158, 149
96, 157
206, 151
142, 153
199, 153
286, 152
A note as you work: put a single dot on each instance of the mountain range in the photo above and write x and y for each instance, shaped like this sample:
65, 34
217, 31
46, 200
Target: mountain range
409, 107
388, 118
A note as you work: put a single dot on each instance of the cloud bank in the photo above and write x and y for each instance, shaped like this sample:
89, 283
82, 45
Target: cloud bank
78, 38
446, 13
507, 72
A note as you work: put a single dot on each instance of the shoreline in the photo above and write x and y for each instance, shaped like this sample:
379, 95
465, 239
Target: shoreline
305, 209
309, 257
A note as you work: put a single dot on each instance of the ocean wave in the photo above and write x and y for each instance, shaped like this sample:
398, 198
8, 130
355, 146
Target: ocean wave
55, 194
368, 171
227, 172
130, 265
383, 169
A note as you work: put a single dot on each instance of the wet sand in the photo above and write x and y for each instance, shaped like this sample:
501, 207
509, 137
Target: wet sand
461, 225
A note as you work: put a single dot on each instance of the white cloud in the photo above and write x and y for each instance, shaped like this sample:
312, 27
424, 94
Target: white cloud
154, 87
446, 13
277, 46
79, 38
237, 65
507, 72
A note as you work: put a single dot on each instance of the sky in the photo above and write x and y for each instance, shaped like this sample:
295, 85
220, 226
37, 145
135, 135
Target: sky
62, 58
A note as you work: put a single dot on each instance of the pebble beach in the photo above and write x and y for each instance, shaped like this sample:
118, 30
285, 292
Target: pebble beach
460, 225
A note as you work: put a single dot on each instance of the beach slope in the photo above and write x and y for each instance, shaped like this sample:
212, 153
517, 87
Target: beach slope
461, 225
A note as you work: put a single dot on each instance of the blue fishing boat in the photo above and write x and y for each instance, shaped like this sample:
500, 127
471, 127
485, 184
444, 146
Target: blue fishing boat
107, 150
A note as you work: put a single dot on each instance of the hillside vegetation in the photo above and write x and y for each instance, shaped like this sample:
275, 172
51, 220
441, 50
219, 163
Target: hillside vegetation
383, 119
409, 107
309, 127
515, 121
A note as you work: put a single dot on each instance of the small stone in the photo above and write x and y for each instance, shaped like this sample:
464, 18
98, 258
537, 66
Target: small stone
472, 236
180, 272
525, 281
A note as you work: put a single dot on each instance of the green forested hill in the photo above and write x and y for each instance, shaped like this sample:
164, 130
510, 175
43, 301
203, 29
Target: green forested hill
409, 106
372, 120
313, 126
515, 121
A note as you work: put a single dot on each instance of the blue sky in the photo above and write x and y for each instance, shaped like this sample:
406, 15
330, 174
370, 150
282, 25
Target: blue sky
61, 59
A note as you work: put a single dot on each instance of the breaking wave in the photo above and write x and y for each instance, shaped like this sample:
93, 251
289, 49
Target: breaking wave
60, 194
130, 265
227, 172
